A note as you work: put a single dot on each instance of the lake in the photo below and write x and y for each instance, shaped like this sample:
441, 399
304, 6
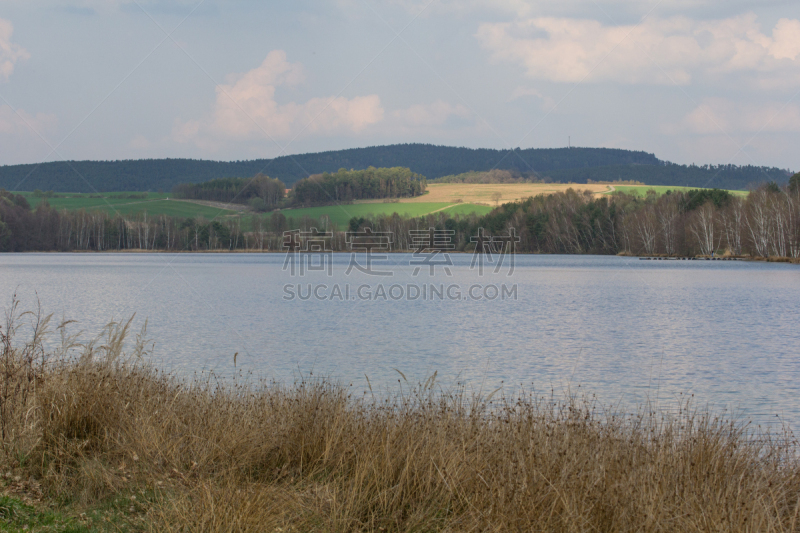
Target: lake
622, 329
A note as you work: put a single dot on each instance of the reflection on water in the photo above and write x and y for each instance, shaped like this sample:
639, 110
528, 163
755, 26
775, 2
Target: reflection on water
624, 329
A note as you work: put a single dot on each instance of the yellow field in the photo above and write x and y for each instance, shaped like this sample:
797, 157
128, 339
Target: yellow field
480, 193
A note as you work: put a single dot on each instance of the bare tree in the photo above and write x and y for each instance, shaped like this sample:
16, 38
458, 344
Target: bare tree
647, 228
702, 227
732, 221
668, 214
793, 203
758, 221
781, 226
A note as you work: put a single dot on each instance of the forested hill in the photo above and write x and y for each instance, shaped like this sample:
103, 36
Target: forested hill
560, 164
730, 177
129, 175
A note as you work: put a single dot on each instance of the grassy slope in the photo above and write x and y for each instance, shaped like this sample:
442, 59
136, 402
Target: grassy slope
341, 214
440, 196
467, 209
155, 204
509, 192
159, 203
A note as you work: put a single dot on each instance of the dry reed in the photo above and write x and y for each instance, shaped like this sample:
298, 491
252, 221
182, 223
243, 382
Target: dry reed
90, 421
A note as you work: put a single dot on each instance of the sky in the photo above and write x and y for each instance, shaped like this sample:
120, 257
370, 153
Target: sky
692, 81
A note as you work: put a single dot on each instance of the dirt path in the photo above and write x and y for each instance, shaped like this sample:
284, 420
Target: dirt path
443, 208
217, 205
131, 203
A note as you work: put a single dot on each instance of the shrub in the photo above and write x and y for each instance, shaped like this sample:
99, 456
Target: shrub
258, 205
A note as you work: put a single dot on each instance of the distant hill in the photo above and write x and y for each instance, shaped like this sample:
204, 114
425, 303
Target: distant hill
730, 177
560, 164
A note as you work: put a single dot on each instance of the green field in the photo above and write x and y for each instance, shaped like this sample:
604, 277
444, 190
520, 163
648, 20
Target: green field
340, 215
155, 204
468, 209
641, 190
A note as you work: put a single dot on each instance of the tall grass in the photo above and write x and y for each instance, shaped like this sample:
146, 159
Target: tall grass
91, 420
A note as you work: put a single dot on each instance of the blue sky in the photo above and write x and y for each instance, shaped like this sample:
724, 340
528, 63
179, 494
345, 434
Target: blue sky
689, 80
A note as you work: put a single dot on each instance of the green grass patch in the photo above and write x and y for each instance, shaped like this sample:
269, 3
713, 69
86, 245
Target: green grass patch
340, 215
124, 512
641, 190
154, 204
468, 209
17, 516
171, 208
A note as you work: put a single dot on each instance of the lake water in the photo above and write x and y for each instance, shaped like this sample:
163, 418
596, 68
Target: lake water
623, 329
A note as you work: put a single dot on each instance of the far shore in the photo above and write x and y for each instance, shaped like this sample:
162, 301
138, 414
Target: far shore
774, 259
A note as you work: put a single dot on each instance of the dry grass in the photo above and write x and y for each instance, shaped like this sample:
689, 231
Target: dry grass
90, 421
482, 192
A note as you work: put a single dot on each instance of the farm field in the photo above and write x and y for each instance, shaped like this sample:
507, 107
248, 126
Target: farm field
453, 198
468, 209
510, 192
155, 204
481, 193
340, 215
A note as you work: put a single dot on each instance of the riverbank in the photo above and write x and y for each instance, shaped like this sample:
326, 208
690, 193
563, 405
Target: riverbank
94, 438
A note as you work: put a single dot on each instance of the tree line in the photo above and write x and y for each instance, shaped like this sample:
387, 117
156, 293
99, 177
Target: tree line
765, 223
703, 222
349, 185
490, 176
261, 192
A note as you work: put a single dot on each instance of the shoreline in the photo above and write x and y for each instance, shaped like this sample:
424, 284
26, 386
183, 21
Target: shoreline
773, 259
109, 438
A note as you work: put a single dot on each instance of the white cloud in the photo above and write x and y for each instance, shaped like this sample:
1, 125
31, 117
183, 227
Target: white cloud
21, 135
139, 7
246, 108
434, 114
521, 92
516, 7
526, 92
10, 53
140, 142
786, 43
570, 8
723, 116
21, 124
657, 51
